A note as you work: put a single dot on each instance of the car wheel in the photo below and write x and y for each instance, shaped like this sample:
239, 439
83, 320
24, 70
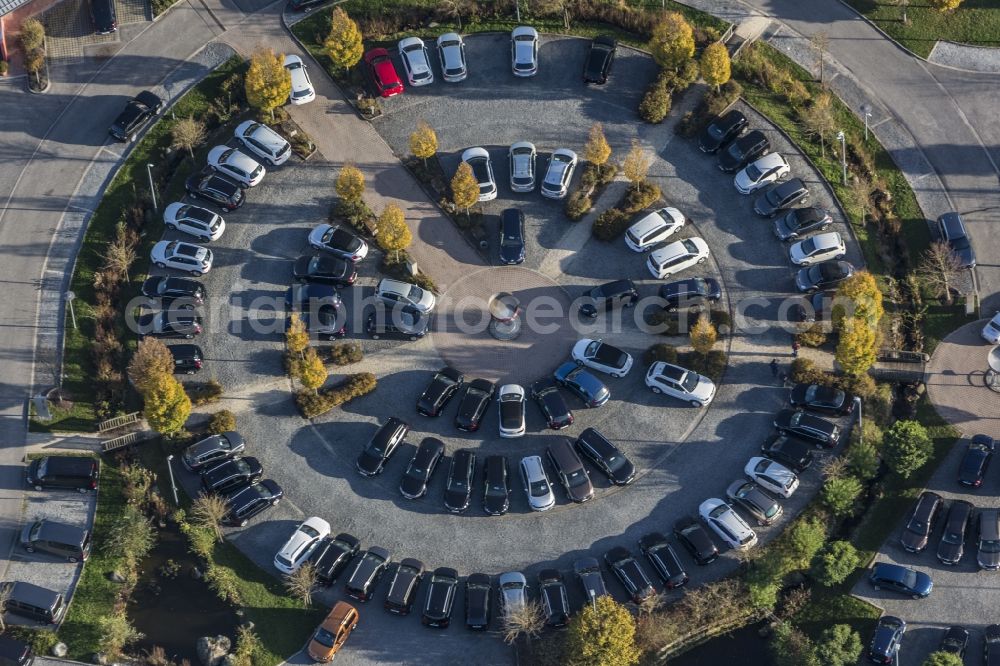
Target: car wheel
375, 336
656, 390
38, 488
30, 549
413, 338
578, 362
630, 303
213, 168
916, 596
839, 256
188, 336
160, 264
171, 226
189, 372
82, 491
271, 162
205, 239
702, 260
695, 403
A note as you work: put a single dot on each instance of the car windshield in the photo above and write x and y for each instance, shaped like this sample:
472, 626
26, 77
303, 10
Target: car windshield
309, 531
511, 241
324, 637
909, 579
415, 293
953, 537
718, 511
989, 546
690, 246
690, 381
994, 324
539, 489
715, 130
577, 478
753, 173
808, 246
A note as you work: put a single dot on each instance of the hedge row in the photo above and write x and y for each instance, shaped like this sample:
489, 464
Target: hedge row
313, 404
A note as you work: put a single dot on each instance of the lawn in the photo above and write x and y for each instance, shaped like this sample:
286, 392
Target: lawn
976, 22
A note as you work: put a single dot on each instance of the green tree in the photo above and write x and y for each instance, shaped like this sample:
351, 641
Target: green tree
151, 361
597, 151
672, 41
344, 42
464, 187
791, 647
423, 142
187, 134
167, 406
393, 233
940, 658
945, 6
906, 446
296, 337
837, 561
857, 346
703, 335
34, 63
311, 372
32, 35
863, 460
715, 65
839, 645
840, 493
267, 82
636, 165
207, 512
860, 297
656, 103
602, 634
350, 183
803, 540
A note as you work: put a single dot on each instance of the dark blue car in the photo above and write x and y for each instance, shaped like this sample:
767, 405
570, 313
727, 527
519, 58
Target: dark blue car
901, 579
885, 642
586, 386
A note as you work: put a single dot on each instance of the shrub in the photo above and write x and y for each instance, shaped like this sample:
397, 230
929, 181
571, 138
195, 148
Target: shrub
839, 645
802, 541
222, 421
41, 640
703, 335
878, 405
205, 393
863, 459
712, 365
791, 647
602, 634
661, 351
837, 561
655, 104
840, 494
356, 213
804, 371
578, 204
313, 404
906, 446
610, 224
346, 353
814, 336
643, 195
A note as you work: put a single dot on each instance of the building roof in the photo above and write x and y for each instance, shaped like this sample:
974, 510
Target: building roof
7, 6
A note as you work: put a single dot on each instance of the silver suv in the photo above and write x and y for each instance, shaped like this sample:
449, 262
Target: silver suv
536, 484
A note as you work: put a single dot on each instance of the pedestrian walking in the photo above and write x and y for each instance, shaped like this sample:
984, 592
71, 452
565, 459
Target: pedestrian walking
774, 367
795, 348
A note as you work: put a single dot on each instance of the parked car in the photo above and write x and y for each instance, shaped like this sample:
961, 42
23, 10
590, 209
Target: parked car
620, 293
402, 324
819, 398
536, 484
440, 599
680, 383
383, 73
263, 142
988, 539
510, 399
403, 587
310, 297
570, 471
951, 548
677, 256
67, 542
751, 498
418, 473
630, 573
900, 579
244, 504
33, 602
405, 294
955, 641
780, 197
476, 397
760, 173
806, 426
195, 221
215, 187
521, 161
599, 355
922, 522
135, 116
744, 150
772, 476
366, 572
15, 653
381, 446
104, 16
813, 308
555, 600
496, 486
588, 572
727, 524
231, 475
545, 393
181, 323
331, 635
511, 237
187, 257
461, 477
600, 59
188, 359
331, 557
975, 462
416, 61
953, 232
324, 269
722, 130
339, 241
665, 562
559, 173
482, 168
886, 640
812, 250
524, 51
231, 162
451, 50
991, 645
478, 597
606, 457
302, 88
793, 453
513, 589
654, 228
169, 290
300, 544
443, 386
991, 332
213, 449
582, 384
322, 323
826, 275
689, 293
798, 222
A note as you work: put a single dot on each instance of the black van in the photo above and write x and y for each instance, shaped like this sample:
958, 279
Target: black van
34, 602
15, 653
77, 472
59, 539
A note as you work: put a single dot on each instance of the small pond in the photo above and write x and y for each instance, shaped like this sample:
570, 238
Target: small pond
742, 646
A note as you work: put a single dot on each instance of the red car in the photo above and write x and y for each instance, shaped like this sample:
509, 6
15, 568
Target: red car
383, 73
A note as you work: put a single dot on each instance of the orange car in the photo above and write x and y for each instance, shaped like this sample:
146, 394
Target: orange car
333, 633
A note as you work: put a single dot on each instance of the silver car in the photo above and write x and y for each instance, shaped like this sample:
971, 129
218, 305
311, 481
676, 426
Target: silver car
521, 158
451, 50
536, 484
395, 292
416, 62
513, 591
524, 51
559, 173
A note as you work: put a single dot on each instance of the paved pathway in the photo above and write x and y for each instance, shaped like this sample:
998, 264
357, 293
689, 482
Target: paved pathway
955, 382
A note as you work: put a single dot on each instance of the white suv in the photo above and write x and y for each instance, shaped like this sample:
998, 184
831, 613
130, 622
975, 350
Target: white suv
559, 173
482, 168
195, 221
654, 228
187, 257
301, 544
302, 87
244, 169
677, 256
536, 484
263, 142
677, 382
815, 249
772, 476
395, 292
725, 522
761, 173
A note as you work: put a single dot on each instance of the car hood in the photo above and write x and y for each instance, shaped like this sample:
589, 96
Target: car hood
368, 461
704, 390
411, 485
511, 253
742, 181
914, 541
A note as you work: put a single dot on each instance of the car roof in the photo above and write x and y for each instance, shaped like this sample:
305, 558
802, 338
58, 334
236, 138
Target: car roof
770, 160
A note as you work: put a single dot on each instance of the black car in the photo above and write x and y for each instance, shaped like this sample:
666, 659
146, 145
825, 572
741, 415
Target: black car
806, 426
922, 520
722, 130
599, 60
444, 385
555, 600
188, 359
325, 322
475, 399
813, 308
382, 445
136, 115
215, 187
694, 537
744, 150
105, 18
167, 290
690, 292
953, 232
606, 457
76, 472
570, 471
403, 588
588, 572
581, 383
169, 324
819, 398
496, 486
988, 539
324, 269
478, 596
15, 653
511, 237
400, 323
661, 555
824, 275
440, 598
332, 556
951, 548
885, 642
212, 450
246, 503
366, 572
781, 196
307, 297
620, 293
232, 475
955, 641
546, 394
461, 476
975, 462
991, 645
793, 453
628, 570
755, 501
421, 468
796, 223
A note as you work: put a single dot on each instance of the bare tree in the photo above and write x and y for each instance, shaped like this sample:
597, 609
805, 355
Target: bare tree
208, 511
651, 604
861, 192
820, 42
302, 583
120, 254
818, 119
527, 621
834, 467
939, 269
188, 134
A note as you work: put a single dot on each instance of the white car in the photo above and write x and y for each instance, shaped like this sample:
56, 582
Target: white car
677, 256
725, 522
760, 173
416, 61
396, 292
991, 332
263, 142
513, 591
654, 229
772, 476
521, 158
821, 247
451, 50
536, 484
680, 383
524, 51
602, 357
243, 168
301, 544
511, 402
482, 169
559, 173
302, 87
187, 257
195, 221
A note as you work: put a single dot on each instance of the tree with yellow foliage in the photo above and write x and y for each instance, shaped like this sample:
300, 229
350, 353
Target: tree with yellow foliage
423, 142
672, 41
464, 187
597, 151
267, 82
715, 65
350, 183
344, 42
393, 234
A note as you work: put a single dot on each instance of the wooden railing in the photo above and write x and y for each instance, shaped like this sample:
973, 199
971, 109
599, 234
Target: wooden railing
119, 422
125, 440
